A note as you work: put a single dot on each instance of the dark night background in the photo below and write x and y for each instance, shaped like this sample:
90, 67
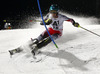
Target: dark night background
21, 9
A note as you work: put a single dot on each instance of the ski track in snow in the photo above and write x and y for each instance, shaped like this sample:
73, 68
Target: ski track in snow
78, 53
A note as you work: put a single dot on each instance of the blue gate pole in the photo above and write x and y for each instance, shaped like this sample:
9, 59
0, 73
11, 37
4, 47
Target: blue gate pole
45, 24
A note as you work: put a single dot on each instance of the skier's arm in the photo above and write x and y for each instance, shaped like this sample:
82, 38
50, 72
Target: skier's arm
73, 22
47, 20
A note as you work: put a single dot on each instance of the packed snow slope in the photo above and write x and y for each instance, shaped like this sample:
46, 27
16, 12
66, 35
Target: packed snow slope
78, 53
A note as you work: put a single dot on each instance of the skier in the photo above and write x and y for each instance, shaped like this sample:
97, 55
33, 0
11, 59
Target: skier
7, 26
55, 20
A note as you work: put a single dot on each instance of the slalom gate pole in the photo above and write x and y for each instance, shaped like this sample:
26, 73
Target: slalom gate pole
90, 31
45, 24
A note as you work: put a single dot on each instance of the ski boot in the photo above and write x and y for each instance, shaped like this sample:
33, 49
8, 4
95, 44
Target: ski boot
34, 41
34, 50
33, 46
39, 45
12, 52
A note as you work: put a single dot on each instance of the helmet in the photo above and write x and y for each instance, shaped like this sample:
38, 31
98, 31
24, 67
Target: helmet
54, 8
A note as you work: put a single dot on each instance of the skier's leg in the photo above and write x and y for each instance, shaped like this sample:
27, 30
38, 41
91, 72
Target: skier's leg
40, 40
20, 49
47, 40
41, 44
44, 38
44, 42
31, 43
45, 34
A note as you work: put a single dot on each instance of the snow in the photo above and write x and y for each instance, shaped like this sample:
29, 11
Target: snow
78, 53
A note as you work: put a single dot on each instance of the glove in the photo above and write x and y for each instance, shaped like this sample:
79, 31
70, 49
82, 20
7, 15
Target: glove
76, 24
47, 22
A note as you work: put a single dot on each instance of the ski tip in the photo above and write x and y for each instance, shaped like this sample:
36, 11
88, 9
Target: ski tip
10, 54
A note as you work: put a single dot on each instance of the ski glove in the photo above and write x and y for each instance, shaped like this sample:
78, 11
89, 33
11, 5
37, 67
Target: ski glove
76, 24
47, 22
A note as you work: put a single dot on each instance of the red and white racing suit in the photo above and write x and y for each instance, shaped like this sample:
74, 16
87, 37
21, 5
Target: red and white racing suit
56, 27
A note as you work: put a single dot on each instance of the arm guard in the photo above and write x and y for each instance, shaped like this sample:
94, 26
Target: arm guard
47, 22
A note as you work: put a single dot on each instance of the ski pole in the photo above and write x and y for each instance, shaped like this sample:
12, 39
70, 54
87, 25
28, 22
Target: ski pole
19, 21
90, 31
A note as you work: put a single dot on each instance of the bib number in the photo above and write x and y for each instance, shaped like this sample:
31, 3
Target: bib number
55, 24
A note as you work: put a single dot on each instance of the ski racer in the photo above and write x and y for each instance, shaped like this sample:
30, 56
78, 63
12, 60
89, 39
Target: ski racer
55, 20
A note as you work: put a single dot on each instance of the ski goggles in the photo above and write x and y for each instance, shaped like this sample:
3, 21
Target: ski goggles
53, 12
